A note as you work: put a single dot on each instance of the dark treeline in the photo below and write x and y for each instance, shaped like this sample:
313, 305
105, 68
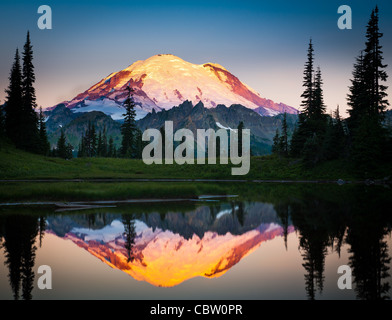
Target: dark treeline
18, 235
23, 126
362, 138
19, 121
63, 149
96, 145
325, 224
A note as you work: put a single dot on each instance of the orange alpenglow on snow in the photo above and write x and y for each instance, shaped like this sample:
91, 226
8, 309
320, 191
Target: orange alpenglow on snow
163, 81
166, 259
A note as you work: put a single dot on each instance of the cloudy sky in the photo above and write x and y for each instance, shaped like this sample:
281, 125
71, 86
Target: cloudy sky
263, 43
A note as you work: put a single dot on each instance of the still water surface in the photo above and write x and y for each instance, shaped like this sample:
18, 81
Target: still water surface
283, 242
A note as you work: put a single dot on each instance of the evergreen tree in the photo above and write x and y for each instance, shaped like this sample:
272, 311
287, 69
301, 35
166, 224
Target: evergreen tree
68, 151
128, 128
44, 146
110, 153
100, 145
93, 136
357, 98
307, 95
14, 102
303, 130
318, 112
367, 99
128, 221
239, 128
104, 143
19, 253
163, 134
88, 146
80, 152
284, 139
29, 121
2, 121
300, 135
82, 149
139, 144
312, 150
316, 119
335, 138
374, 68
309, 134
61, 150
276, 143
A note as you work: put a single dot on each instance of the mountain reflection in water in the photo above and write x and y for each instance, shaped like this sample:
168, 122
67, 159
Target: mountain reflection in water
168, 245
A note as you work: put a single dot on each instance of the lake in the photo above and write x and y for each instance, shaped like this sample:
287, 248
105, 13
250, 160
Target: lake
271, 241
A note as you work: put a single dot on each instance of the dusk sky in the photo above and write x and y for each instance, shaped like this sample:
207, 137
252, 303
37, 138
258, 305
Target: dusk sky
263, 43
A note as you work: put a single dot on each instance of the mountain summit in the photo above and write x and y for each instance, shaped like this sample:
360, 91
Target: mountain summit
163, 81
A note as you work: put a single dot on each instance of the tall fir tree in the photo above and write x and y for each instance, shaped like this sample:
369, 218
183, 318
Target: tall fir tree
239, 128
44, 145
357, 97
312, 121
14, 103
100, 145
61, 150
81, 148
367, 99
300, 134
2, 121
111, 147
163, 134
139, 144
318, 112
280, 144
303, 130
307, 95
375, 72
284, 139
94, 141
29, 120
128, 128
88, 144
316, 117
104, 143
335, 138
276, 143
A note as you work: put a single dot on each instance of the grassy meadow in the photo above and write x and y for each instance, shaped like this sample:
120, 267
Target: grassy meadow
117, 175
19, 165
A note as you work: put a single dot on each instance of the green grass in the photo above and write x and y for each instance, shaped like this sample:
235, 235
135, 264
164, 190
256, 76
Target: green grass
16, 164
90, 191
82, 191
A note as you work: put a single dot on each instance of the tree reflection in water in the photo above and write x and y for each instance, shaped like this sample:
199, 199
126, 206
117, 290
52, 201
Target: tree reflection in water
325, 219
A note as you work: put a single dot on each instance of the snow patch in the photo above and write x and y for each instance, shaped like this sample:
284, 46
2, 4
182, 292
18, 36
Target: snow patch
224, 212
108, 107
223, 127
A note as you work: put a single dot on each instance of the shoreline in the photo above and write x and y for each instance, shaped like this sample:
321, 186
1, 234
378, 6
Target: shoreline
117, 180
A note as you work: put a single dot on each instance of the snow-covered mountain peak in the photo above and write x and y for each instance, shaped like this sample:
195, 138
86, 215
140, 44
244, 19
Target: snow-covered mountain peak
165, 80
